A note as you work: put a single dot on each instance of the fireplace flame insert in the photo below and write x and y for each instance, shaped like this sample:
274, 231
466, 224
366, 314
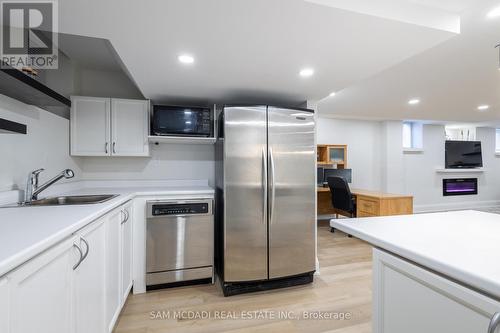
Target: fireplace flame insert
459, 186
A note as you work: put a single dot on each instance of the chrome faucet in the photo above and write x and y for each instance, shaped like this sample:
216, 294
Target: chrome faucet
33, 189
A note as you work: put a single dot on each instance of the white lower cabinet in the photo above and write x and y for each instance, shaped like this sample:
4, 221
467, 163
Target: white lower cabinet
79, 285
40, 292
113, 291
89, 287
118, 261
126, 251
411, 299
4, 304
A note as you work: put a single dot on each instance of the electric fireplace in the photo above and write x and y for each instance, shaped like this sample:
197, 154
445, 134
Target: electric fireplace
460, 186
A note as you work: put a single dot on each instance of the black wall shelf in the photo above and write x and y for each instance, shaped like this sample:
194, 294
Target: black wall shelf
7, 126
16, 84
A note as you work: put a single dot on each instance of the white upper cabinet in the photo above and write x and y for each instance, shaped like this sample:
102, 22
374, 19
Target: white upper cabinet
129, 127
90, 126
109, 127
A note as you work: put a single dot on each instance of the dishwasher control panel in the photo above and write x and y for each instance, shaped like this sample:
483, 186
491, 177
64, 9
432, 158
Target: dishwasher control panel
162, 209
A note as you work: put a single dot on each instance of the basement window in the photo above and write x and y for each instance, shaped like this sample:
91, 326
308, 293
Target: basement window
412, 136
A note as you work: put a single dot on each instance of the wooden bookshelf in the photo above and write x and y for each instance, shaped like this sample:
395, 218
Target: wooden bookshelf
332, 154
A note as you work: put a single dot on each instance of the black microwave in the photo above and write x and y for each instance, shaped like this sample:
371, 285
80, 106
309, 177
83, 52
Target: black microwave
182, 121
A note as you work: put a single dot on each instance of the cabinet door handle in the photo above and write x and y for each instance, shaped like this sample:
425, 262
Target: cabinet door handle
106, 147
88, 248
495, 320
126, 216
114, 147
81, 257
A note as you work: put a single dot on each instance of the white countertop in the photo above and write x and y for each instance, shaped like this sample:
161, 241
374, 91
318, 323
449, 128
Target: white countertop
27, 231
462, 245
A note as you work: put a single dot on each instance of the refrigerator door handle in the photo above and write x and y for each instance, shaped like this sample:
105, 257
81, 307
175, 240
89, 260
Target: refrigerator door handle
272, 186
264, 185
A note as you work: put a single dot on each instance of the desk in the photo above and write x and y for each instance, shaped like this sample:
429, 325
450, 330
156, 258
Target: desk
369, 203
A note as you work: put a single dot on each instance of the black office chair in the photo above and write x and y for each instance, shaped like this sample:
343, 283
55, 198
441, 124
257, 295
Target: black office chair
342, 198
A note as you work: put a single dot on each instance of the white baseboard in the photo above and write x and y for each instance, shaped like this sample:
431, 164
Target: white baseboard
455, 206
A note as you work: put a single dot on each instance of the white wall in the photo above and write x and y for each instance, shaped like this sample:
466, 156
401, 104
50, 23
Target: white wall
392, 157
167, 162
364, 140
376, 156
45, 146
422, 180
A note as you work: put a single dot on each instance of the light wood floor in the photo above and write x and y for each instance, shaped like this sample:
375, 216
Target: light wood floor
344, 286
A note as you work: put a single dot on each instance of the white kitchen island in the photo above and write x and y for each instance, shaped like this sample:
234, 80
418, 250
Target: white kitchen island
433, 273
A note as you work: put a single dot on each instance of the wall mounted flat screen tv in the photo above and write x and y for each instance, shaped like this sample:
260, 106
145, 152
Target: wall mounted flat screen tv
463, 154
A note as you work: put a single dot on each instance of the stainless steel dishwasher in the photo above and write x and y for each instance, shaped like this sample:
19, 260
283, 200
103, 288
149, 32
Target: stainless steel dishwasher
179, 241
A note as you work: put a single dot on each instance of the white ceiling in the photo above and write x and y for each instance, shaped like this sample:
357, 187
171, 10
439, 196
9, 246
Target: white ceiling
252, 51
408, 11
456, 6
451, 79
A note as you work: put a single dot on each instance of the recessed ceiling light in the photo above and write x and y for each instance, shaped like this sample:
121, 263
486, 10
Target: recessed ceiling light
414, 101
186, 59
483, 107
495, 12
333, 93
306, 72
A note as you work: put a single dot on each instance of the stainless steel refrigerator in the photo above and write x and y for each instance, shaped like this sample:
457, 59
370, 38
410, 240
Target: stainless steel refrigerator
266, 198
